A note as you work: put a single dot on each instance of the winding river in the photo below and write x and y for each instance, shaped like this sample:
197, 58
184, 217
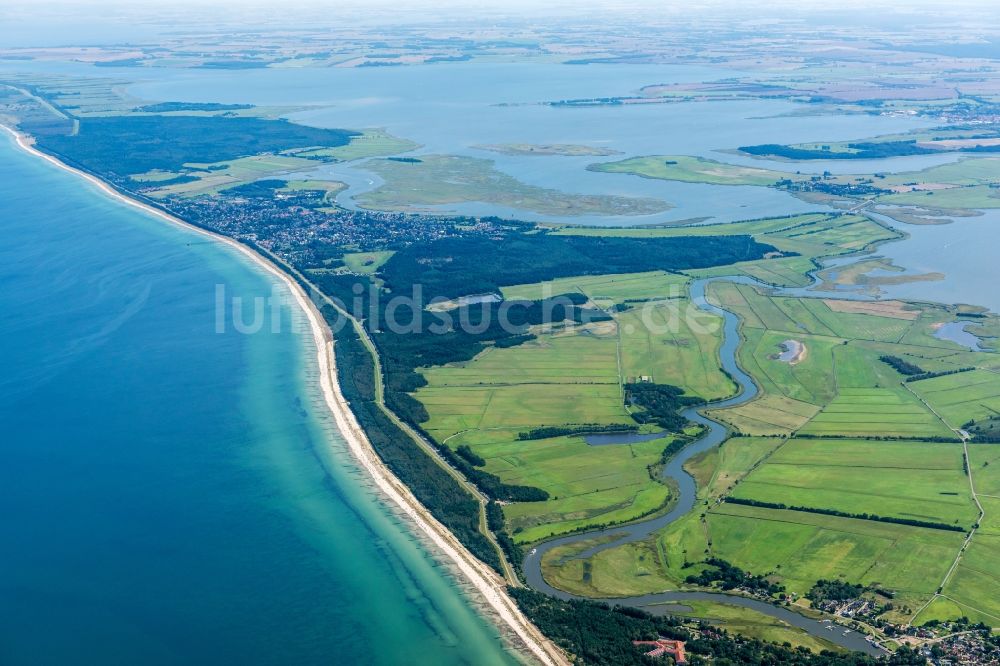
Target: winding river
674, 471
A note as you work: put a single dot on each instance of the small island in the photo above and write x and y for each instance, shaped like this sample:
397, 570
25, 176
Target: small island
548, 149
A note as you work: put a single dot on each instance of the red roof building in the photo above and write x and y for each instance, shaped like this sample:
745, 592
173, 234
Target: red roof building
662, 646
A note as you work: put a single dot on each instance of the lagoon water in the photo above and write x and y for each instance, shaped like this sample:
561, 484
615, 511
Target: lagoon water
171, 494
451, 107
964, 251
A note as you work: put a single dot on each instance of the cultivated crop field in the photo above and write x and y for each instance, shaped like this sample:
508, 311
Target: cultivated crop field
916, 480
975, 586
673, 345
962, 397
803, 547
605, 289
809, 315
587, 484
767, 415
718, 470
877, 412
564, 377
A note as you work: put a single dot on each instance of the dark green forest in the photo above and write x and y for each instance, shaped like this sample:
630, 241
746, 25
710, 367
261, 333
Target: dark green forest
479, 264
126, 145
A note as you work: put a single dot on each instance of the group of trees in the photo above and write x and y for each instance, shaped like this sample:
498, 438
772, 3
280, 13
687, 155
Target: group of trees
985, 430
731, 577
461, 265
834, 590
843, 514
132, 144
863, 150
495, 521
659, 404
595, 633
901, 366
939, 373
548, 432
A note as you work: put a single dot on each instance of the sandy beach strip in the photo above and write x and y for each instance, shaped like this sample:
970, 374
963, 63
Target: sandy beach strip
484, 580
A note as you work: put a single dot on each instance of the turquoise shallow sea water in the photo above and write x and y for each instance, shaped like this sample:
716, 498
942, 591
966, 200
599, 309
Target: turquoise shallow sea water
171, 494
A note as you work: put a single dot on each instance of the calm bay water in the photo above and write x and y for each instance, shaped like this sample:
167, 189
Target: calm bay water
175, 495
450, 108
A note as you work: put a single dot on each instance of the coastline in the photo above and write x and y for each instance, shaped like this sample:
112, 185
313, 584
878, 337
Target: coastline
488, 585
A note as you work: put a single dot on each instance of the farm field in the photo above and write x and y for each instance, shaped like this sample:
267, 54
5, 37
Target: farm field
587, 484
803, 547
561, 378
627, 570
605, 289
456, 408
984, 461
962, 397
915, 480
810, 315
561, 358
811, 380
958, 198
876, 412
767, 415
838, 386
673, 344
990, 524
975, 585
796, 548
719, 469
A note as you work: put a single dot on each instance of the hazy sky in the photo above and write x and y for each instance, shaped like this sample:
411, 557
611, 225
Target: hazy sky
68, 22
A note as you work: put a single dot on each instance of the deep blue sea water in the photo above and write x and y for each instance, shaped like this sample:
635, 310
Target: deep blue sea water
170, 494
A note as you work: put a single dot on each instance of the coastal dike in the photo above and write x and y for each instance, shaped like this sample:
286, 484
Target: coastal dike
488, 586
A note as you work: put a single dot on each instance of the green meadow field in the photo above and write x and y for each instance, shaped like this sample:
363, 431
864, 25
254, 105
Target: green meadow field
916, 480
671, 346
794, 547
834, 428
560, 378
962, 397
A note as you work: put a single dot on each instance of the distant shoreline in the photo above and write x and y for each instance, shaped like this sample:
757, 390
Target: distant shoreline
487, 583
